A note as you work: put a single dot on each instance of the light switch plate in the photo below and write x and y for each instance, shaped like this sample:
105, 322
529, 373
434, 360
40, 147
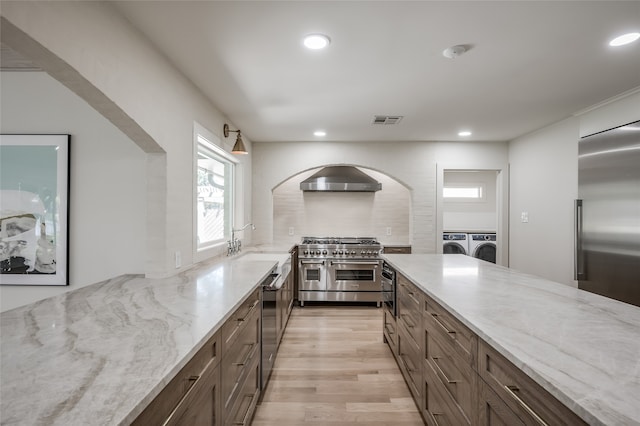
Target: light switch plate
178, 259
388, 230
291, 230
524, 217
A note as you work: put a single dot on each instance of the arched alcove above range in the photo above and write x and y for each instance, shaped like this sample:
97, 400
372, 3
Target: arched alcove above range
384, 214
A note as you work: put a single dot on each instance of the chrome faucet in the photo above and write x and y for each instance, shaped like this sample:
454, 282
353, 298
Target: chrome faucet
234, 244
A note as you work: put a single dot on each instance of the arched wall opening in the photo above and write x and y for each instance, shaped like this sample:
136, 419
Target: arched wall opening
385, 214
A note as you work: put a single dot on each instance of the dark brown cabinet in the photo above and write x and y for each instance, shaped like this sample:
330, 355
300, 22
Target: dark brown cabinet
493, 411
451, 332
458, 379
409, 361
409, 308
451, 379
449, 368
390, 331
240, 365
528, 400
199, 406
192, 397
409, 335
220, 385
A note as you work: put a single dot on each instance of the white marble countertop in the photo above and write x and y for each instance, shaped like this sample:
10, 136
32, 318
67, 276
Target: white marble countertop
582, 348
100, 354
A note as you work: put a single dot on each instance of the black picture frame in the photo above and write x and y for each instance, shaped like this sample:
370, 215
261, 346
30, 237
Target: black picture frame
34, 209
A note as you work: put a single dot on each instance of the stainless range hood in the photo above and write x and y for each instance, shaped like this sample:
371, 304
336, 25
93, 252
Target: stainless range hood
340, 179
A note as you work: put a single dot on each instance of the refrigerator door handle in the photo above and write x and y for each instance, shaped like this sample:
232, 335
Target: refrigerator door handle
578, 270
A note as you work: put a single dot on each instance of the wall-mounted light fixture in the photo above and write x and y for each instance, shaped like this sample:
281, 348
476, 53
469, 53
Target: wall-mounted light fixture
238, 147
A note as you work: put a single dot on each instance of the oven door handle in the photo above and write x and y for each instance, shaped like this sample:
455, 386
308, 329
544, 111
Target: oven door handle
312, 262
353, 262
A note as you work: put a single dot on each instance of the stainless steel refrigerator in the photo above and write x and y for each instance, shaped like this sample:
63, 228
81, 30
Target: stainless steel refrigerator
608, 214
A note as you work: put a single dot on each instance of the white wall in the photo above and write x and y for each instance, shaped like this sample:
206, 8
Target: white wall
544, 183
105, 60
413, 164
107, 186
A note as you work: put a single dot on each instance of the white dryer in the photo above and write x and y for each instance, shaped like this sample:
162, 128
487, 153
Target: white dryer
455, 243
483, 246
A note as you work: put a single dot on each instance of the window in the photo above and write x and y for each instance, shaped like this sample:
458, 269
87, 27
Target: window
214, 192
463, 192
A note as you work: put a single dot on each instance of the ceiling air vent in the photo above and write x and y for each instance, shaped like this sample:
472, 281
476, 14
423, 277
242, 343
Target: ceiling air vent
386, 119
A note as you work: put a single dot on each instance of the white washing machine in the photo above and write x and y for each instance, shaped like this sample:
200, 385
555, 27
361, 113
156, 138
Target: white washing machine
483, 246
455, 243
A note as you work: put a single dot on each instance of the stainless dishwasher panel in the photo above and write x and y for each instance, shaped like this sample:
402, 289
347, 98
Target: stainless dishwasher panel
271, 287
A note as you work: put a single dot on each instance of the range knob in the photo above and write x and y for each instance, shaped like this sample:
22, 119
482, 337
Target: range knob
324, 252
339, 251
318, 252
353, 252
305, 252
335, 252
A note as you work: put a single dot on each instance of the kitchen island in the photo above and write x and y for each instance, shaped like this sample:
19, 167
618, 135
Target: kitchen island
100, 354
582, 348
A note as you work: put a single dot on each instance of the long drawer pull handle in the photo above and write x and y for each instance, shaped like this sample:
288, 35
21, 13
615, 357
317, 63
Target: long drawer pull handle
435, 317
246, 414
435, 362
193, 380
511, 390
353, 262
411, 368
412, 295
434, 418
247, 357
253, 305
410, 324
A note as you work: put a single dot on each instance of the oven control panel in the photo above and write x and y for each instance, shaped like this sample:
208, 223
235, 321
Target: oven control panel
339, 252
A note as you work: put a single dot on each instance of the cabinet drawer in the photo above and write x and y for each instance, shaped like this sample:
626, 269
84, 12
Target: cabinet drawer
528, 400
454, 375
390, 331
238, 319
410, 307
410, 362
438, 407
239, 357
492, 411
200, 405
454, 334
207, 358
243, 406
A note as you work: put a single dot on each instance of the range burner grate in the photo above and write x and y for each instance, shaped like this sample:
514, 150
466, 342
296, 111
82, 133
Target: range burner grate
340, 240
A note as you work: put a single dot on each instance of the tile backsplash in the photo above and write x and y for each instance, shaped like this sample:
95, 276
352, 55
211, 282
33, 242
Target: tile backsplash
376, 214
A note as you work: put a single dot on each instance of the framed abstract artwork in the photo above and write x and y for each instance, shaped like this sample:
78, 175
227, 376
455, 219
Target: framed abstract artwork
34, 209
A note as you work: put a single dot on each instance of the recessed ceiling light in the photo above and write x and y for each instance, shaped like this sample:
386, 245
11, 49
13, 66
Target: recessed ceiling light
319, 133
454, 51
316, 41
464, 133
624, 39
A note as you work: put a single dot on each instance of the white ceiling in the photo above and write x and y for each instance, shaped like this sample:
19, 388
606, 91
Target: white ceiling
530, 63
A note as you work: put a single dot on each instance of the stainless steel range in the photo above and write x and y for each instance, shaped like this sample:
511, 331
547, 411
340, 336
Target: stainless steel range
339, 269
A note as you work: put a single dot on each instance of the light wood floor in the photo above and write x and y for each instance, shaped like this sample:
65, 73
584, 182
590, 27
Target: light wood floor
334, 369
